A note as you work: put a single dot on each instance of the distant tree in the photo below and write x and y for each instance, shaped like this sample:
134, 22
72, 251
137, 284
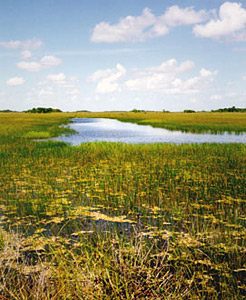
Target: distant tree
137, 110
230, 109
6, 111
42, 110
189, 111
165, 111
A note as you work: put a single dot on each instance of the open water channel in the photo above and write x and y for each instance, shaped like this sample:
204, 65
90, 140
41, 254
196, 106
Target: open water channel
110, 130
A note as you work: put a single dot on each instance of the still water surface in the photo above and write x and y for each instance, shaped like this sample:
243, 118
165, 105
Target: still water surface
110, 130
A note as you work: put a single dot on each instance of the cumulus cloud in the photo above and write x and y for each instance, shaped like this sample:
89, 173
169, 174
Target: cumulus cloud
197, 83
30, 66
68, 86
26, 54
128, 29
107, 80
147, 25
176, 16
50, 60
56, 88
168, 82
165, 78
26, 44
56, 77
15, 81
162, 78
60, 80
43, 63
171, 66
45, 92
230, 24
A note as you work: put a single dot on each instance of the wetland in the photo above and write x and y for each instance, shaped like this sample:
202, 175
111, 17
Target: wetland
106, 220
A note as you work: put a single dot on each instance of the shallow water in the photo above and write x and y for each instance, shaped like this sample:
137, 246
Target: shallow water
110, 130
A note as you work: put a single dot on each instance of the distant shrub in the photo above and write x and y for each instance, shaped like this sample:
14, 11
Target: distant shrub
230, 109
42, 110
6, 111
137, 110
189, 111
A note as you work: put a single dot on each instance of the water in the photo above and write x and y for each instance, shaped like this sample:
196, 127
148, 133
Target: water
110, 130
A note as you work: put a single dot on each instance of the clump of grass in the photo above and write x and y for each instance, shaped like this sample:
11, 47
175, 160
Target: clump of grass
98, 270
2, 238
37, 135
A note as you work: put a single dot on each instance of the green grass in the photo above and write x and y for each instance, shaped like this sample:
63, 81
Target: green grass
197, 122
37, 135
118, 221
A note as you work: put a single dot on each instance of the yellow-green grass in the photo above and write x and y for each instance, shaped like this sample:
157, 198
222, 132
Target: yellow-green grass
195, 122
116, 221
21, 124
37, 135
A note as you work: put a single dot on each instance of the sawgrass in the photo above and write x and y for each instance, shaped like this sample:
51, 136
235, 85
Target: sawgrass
200, 122
118, 221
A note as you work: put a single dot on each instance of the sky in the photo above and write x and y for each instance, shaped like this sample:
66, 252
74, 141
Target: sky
102, 55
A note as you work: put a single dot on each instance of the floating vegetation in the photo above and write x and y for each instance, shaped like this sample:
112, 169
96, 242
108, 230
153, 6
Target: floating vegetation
115, 221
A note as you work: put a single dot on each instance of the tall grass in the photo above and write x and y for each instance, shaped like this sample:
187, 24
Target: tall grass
197, 122
117, 221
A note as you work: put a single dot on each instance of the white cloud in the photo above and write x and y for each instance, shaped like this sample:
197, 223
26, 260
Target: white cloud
30, 66
176, 16
60, 85
15, 81
50, 60
216, 97
57, 90
164, 78
244, 77
45, 92
43, 63
229, 25
74, 92
107, 79
56, 77
200, 82
60, 80
146, 26
171, 66
26, 54
128, 29
27, 44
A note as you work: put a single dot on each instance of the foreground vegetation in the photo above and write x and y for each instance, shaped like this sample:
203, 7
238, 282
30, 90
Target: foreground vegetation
115, 221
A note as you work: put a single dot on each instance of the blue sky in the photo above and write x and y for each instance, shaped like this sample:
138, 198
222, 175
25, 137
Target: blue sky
118, 55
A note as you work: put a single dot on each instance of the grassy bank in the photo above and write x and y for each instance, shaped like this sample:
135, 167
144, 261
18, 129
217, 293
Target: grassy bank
115, 221
195, 122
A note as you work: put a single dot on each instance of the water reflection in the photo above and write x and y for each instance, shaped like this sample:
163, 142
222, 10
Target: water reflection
110, 130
